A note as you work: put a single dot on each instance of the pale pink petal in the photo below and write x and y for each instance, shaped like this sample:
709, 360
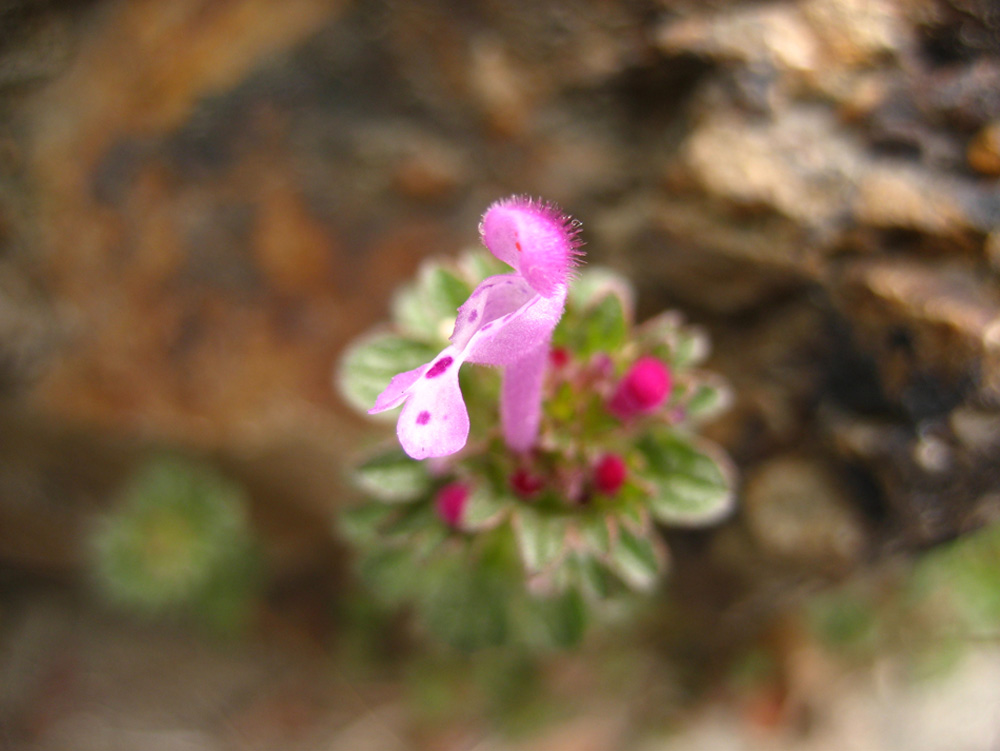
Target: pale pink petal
521, 398
395, 392
494, 298
434, 420
506, 339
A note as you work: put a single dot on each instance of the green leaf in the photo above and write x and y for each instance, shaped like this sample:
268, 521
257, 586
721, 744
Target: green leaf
563, 617
177, 529
844, 619
594, 577
596, 283
427, 308
966, 574
707, 399
635, 559
464, 603
411, 520
540, 539
564, 404
596, 534
630, 507
660, 331
360, 524
689, 485
483, 509
690, 348
393, 477
390, 573
665, 336
605, 326
370, 363
476, 265
602, 328
427, 540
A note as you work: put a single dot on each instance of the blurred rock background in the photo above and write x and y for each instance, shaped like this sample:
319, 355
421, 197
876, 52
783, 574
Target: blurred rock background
201, 202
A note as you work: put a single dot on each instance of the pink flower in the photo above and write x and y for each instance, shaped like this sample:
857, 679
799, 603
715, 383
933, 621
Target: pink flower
450, 503
609, 474
506, 322
642, 390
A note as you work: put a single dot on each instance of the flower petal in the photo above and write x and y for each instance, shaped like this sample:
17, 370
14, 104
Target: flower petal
434, 420
521, 398
534, 237
494, 298
395, 392
506, 340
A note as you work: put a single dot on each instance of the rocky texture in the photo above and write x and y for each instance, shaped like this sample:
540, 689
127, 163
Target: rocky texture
799, 513
202, 202
839, 152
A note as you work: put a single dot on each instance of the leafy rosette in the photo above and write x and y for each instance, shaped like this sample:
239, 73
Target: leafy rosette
492, 544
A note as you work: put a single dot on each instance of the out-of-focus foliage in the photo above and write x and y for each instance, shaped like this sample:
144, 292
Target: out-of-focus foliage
927, 613
179, 541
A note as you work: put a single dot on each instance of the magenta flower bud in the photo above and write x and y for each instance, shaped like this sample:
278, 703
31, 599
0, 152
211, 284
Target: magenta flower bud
644, 388
525, 483
450, 503
559, 357
609, 474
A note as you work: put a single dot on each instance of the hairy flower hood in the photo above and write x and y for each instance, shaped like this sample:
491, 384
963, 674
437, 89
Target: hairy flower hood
507, 322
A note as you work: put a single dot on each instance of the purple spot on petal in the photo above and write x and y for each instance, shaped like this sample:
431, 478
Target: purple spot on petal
439, 367
487, 326
423, 418
473, 316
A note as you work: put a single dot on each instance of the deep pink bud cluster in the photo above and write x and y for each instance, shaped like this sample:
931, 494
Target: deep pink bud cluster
450, 503
526, 483
559, 357
642, 390
610, 474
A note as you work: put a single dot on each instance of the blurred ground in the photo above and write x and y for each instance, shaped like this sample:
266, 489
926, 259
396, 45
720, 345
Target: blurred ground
75, 676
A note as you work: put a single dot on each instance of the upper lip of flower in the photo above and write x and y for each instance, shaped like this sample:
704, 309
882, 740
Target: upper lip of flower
494, 298
534, 237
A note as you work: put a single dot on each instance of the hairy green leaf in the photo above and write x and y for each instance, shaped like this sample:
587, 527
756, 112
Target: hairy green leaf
426, 309
393, 477
690, 485
540, 539
635, 559
371, 362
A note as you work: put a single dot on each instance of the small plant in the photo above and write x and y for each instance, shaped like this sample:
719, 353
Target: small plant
179, 541
517, 531
926, 612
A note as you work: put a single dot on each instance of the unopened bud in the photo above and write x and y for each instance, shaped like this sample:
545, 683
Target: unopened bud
642, 390
609, 474
526, 484
559, 357
450, 503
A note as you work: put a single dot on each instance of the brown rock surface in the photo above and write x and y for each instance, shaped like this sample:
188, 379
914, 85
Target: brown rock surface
799, 512
931, 328
984, 150
202, 202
